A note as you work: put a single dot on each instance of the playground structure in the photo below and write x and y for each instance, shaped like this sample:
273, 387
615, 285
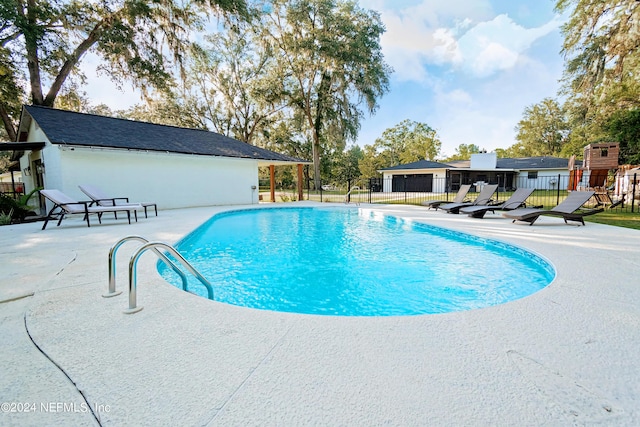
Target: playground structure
613, 183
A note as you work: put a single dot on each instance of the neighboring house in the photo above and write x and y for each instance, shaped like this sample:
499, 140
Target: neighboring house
423, 175
530, 172
171, 166
11, 183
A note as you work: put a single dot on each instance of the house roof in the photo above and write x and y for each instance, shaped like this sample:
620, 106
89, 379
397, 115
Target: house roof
459, 164
421, 164
540, 162
90, 130
536, 163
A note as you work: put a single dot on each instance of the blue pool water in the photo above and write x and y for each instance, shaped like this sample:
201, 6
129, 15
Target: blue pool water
353, 262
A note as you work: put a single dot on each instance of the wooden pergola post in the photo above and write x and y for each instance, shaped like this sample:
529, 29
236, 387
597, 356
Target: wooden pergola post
300, 183
272, 173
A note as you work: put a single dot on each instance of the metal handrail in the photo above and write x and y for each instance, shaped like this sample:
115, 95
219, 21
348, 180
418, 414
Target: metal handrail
363, 183
112, 265
133, 274
347, 199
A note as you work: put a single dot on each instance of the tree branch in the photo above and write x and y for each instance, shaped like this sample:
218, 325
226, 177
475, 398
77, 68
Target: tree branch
74, 58
8, 123
10, 38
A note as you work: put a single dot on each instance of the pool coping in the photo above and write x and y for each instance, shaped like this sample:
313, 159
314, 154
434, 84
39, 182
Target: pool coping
566, 354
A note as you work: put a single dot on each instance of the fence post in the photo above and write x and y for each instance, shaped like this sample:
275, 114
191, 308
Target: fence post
405, 189
633, 193
558, 192
447, 183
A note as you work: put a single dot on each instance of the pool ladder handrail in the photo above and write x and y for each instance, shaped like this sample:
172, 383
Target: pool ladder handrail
133, 261
112, 265
347, 200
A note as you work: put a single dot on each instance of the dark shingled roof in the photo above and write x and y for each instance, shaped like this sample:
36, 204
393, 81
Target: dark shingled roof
537, 163
421, 164
542, 162
67, 127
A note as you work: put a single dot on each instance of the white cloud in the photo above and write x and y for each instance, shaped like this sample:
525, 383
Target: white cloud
467, 72
443, 33
456, 97
423, 33
497, 44
486, 112
447, 51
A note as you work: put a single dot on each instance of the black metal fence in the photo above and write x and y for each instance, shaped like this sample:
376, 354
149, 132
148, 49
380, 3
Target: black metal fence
621, 193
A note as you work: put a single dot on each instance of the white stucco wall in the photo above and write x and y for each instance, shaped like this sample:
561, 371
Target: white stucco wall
547, 179
170, 180
27, 161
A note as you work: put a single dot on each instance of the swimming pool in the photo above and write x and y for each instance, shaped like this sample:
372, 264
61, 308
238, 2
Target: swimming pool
353, 262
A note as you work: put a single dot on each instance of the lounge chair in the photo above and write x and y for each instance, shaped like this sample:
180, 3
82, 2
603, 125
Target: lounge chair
461, 197
484, 198
517, 200
65, 205
568, 209
102, 199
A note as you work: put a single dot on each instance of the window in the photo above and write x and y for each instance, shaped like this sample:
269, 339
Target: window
533, 175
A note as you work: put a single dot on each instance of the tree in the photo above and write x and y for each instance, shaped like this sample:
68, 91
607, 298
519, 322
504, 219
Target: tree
602, 61
11, 94
407, 142
371, 162
624, 127
601, 40
345, 166
543, 129
331, 63
137, 40
231, 85
5, 160
167, 110
464, 152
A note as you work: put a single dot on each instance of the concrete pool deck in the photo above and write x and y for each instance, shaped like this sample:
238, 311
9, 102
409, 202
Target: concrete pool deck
566, 355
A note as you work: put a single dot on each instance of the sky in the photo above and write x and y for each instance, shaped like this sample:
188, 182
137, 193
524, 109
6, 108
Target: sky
466, 68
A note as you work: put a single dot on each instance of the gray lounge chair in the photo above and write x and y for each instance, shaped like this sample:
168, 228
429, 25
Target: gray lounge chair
483, 199
517, 200
568, 209
102, 199
65, 205
461, 197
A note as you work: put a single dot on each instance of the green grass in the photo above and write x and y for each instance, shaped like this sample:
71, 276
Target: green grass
616, 218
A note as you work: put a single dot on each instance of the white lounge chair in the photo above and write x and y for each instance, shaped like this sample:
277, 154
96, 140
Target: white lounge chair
65, 205
103, 199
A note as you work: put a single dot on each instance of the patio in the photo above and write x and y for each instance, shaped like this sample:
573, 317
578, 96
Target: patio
562, 356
